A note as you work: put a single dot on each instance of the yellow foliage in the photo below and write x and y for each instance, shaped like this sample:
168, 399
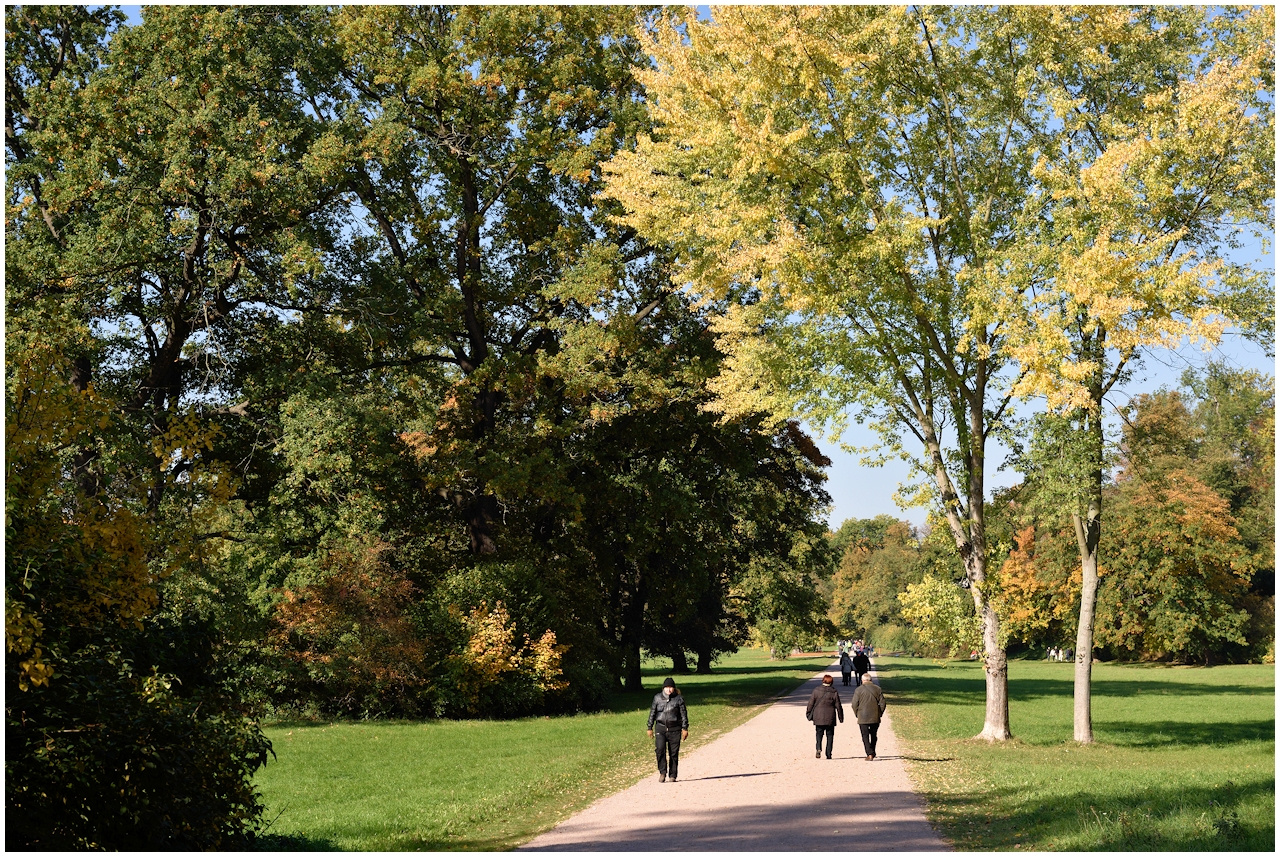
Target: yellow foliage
492, 653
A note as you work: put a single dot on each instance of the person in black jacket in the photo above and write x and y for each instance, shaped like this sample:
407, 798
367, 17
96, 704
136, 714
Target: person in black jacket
861, 666
823, 709
668, 726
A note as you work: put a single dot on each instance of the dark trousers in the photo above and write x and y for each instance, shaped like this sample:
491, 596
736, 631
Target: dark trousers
869, 731
857, 679
666, 743
844, 677
830, 732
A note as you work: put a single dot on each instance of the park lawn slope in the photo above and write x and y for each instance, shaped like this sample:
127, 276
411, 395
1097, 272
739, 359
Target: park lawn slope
1184, 758
445, 785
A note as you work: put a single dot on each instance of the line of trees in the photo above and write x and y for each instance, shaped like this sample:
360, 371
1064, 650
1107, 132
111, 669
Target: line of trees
1190, 574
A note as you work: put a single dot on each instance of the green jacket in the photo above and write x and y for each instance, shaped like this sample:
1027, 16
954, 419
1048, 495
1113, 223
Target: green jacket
868, 703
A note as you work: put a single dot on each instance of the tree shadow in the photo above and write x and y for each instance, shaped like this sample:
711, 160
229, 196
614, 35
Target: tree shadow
293, 842
1143, 820
1168, 733
961, 690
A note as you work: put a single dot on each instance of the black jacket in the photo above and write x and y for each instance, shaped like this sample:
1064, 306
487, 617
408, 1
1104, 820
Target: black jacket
669, 711
861, 663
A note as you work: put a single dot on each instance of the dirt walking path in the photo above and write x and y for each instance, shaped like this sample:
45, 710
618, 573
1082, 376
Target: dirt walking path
759, 788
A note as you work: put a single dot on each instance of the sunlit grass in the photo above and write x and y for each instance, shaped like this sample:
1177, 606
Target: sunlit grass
488, 785
1184, 759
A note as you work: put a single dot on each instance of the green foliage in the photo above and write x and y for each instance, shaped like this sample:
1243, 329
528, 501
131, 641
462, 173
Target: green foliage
1181, 580
118, 734
881, 558
942, 619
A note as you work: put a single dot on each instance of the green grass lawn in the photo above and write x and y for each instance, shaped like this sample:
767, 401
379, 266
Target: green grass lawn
1184, 759
487, 785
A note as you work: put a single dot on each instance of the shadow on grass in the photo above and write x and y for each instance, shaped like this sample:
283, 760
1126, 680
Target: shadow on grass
280, 842
1166, 733
1170, 818
968, 690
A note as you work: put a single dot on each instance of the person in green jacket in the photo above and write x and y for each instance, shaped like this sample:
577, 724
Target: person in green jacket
868, 705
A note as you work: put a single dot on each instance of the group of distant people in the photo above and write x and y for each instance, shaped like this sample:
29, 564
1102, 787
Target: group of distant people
1058, 654
856, 664
669, 716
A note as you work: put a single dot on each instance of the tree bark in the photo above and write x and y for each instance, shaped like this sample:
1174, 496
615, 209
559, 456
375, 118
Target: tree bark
1088, 537
1083, 712
704, 663
679, 663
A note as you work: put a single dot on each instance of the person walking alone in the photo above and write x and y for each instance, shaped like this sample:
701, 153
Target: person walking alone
668, 726
868, 705
823, 709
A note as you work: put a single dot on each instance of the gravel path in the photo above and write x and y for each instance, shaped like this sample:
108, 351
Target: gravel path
758, 788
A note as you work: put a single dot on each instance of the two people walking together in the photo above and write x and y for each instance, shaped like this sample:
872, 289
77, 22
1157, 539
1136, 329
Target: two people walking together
825, 708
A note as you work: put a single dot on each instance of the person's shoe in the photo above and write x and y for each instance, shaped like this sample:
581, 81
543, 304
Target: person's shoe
673, 779
662, 778
873, 757
870, 757
818, 754
828, 757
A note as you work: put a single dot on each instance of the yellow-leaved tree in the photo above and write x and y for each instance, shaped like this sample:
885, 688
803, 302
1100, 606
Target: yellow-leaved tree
1162, 165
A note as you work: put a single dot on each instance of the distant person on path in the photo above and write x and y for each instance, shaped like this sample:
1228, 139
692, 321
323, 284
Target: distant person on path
823, 709
668, 726
868, 704
846, 668
861, 666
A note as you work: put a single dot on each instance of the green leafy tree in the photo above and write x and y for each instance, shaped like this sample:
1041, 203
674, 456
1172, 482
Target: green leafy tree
118, 735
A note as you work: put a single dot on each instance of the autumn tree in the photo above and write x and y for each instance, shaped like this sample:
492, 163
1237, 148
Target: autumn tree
1160, 163
838, 174
881, 558
1183, 579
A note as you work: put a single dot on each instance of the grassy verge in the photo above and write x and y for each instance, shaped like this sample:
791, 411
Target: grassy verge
488, 785
1184, 759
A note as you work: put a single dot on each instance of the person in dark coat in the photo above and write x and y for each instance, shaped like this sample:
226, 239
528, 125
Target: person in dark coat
823, 709
868, 705
668, 726
861, 666
846, 667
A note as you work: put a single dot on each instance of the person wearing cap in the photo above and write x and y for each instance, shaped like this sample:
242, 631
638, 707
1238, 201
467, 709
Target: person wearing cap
868, 706
668, 726
823, 709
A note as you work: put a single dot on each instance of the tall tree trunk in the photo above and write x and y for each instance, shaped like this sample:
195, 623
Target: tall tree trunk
679, 663
1088, 537
704, 662
995, 725
1086, 531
